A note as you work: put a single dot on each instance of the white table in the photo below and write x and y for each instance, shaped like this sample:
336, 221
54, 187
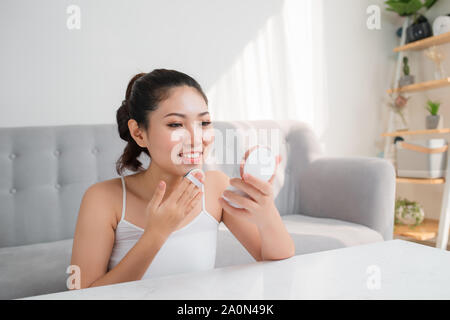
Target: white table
394, 269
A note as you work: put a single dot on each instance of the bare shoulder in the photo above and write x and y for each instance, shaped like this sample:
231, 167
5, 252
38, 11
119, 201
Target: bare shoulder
101, 199
217, 179
103, 189
216, 182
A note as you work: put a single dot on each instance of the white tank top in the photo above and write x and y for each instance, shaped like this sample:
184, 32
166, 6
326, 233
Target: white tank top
191, 248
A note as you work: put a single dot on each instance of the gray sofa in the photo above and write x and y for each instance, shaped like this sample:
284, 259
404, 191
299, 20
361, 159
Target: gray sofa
326, 203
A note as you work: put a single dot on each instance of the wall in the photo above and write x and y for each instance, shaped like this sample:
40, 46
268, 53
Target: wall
360, 65
53, 76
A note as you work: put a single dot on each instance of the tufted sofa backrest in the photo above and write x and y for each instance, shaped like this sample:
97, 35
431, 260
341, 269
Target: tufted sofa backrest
44, 171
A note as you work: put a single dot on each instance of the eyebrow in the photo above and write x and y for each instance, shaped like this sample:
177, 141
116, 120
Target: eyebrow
183, 115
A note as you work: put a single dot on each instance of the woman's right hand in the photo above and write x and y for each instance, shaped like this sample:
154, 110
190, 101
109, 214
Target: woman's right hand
163, 218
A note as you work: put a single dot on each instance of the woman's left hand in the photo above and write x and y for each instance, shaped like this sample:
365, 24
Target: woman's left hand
260, 208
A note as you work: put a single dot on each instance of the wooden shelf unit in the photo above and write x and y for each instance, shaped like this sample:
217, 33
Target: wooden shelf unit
438, 229
421, 180
422, 86
430, 242
415, 132
427, 230
425, 43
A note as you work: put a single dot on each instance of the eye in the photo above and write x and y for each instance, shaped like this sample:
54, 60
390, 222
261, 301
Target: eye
174, 125
177, 125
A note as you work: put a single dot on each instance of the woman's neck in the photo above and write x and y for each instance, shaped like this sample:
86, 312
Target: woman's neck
150, 178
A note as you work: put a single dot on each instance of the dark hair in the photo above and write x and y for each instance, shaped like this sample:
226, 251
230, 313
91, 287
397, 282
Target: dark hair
144, 92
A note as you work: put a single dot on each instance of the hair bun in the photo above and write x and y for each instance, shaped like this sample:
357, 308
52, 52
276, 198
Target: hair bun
126, 108
124, 113
122, 117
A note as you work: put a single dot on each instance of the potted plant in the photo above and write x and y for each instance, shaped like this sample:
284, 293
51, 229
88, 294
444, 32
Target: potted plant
420, 28
406, 79
408, 212
433, 119
398, 105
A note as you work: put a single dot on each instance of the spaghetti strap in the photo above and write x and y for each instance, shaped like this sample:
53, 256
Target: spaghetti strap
203, 197
124, 197
195, 181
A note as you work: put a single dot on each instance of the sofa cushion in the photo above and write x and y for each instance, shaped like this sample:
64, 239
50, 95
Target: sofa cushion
34, 269
310, 234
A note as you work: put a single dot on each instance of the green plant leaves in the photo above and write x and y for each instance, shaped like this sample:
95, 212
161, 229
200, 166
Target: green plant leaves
433, 107
398, 7
429, 3
408, 7
413, 6
405, 66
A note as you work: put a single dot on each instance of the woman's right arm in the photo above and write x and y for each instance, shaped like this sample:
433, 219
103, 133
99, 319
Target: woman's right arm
133, 266
94, 239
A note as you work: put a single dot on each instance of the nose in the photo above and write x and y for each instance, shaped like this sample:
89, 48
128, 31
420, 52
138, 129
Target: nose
195, 134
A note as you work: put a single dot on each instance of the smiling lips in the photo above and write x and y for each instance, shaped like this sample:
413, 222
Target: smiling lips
191, 157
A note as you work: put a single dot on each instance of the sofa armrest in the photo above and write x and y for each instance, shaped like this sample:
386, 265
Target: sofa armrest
354, 189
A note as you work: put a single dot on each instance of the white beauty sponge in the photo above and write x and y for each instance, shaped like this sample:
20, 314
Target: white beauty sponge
190, 175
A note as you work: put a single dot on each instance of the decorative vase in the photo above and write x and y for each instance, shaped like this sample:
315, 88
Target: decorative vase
419, 30
437, 56
401, 122
439, 73
433, 121
406, 80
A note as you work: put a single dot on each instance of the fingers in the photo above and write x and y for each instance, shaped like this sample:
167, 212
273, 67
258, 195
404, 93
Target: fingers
193, 202
263, 186
199, 177
244, 202
158, 195
188, 194
278, 161
247, 188
176, 194
241, 212
185, 182
196, 180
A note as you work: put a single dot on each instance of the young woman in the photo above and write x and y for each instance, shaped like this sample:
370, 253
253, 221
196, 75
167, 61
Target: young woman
156, 221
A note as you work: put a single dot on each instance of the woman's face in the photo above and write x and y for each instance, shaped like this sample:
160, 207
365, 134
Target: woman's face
180, 131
